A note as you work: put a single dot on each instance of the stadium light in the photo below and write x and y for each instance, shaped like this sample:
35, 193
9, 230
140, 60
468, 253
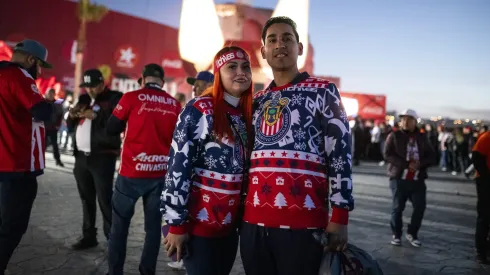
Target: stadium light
199, 47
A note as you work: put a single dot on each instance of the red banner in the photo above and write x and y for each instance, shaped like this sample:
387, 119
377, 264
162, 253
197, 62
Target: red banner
369, 106
5, 51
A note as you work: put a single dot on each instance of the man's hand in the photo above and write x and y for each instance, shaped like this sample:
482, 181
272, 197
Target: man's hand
74, 112
173, 243
337, 237
414, 165
88, 114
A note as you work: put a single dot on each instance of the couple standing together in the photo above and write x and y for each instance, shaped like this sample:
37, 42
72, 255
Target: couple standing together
263, 167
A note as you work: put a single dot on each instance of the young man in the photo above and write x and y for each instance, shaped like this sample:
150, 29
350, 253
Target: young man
301, 159
409, 154
22, 110
201, 82
149, 116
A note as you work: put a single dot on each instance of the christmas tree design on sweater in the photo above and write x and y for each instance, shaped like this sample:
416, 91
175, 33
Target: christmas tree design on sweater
205, 172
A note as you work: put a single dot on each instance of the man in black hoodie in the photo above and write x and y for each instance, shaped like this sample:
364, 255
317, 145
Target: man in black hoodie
409, 154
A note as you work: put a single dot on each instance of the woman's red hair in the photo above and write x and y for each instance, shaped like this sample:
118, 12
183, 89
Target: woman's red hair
221, 124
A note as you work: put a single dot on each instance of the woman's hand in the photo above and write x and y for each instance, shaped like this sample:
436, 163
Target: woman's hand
173, 243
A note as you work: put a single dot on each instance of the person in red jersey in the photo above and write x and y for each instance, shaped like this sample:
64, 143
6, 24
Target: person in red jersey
301, 159
22, 112
148, 117
201, 198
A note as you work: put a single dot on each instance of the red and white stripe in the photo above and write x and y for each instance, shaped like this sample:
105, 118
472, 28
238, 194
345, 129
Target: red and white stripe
273, 129
37, 146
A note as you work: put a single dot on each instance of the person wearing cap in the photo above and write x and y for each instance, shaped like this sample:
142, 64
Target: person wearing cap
148, 116
409, 154
22, 112
201, 82
95, 154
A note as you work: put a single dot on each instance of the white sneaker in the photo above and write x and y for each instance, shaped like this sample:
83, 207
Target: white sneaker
413, 241
396, 241
177, 265
382, 163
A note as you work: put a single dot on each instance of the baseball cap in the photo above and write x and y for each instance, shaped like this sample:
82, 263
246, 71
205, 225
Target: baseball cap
204, 75
35, 49
153, 70
92, 78
410, 113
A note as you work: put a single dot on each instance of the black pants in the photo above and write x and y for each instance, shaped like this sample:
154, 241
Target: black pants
275, 251
404, 190
52, 138
211, 256
16, 199
95, 175
483, 215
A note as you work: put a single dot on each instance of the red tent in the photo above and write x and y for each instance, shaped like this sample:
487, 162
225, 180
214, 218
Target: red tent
370, 106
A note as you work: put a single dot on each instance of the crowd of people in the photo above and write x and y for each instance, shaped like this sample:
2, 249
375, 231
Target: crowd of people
452, 145
265, 167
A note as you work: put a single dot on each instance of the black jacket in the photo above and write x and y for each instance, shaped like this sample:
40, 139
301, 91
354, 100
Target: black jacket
100, 141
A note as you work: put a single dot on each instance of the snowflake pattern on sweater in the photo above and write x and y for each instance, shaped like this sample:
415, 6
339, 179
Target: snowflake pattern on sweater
301, 156
204, 178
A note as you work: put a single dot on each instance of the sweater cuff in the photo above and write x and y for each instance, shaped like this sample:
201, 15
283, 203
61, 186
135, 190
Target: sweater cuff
340, 216
178, 229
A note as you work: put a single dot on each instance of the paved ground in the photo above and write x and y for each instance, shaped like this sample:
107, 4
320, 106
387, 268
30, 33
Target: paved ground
447, 231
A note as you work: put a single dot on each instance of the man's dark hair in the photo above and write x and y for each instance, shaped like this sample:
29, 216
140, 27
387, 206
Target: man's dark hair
279, 20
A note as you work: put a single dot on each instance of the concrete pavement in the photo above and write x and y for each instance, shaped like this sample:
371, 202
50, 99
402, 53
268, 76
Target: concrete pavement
447, 231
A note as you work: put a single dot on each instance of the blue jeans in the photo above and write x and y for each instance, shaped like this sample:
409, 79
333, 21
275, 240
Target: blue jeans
126, 194
443, 162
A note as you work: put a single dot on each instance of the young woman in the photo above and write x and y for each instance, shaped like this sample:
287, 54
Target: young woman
201, 199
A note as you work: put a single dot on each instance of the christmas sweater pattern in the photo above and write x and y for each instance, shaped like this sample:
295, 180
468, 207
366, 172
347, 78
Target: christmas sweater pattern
302, 149
203, 182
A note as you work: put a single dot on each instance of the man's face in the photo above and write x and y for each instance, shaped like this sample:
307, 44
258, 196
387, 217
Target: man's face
50, 95
408, 123
33, 67
281, 48
94, 91
200, 86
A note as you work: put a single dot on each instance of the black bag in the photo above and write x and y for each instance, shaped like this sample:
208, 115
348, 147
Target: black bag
352, 261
